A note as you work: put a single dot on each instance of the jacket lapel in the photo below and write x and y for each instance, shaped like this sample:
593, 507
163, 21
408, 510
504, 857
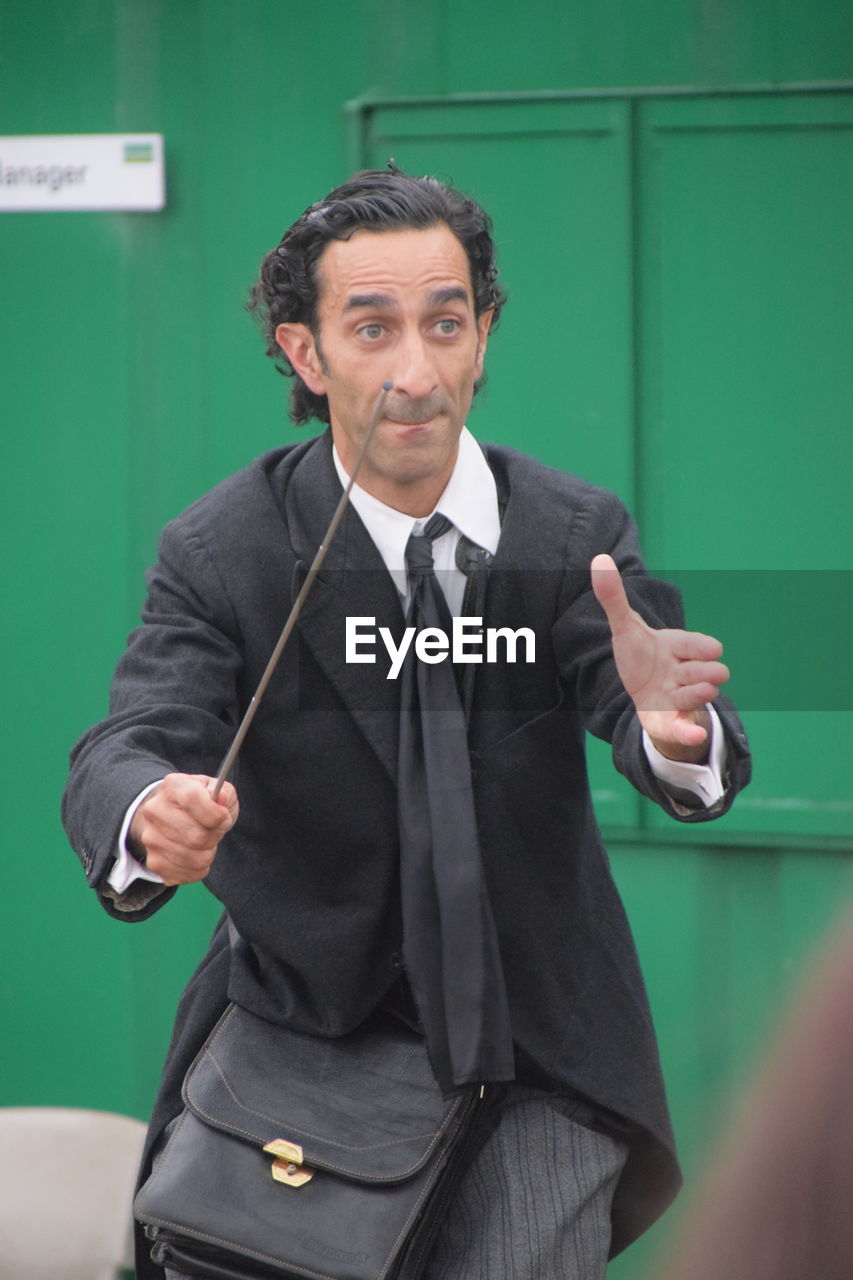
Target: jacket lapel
353, 583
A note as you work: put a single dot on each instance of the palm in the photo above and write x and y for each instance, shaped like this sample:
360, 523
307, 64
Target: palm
669, 674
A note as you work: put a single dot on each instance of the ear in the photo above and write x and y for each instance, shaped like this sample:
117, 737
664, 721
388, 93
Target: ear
300, 346
484, 324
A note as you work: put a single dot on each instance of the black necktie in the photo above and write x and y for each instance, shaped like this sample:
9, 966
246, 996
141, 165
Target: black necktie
449, 937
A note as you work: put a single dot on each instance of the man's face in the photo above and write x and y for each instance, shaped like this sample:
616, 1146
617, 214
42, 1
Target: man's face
396, 306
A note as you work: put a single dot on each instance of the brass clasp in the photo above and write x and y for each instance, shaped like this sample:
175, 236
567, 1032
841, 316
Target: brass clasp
287, 1166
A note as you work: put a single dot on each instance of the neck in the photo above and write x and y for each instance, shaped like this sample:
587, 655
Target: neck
416, 497
416, 500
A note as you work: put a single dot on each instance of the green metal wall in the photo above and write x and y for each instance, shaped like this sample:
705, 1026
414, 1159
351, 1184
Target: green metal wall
679, 330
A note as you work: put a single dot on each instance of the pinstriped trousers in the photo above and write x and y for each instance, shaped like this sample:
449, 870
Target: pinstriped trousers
535, 1202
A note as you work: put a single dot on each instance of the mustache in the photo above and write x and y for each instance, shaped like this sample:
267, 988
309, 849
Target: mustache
421, 410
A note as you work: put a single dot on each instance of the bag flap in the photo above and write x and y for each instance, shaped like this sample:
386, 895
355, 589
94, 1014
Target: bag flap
365, 1105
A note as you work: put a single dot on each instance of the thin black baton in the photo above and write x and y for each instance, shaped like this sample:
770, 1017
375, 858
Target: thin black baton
231, 755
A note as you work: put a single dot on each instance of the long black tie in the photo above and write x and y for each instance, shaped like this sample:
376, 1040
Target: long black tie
449, 937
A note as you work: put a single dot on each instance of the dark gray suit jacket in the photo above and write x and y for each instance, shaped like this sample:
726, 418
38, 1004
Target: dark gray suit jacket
310, 872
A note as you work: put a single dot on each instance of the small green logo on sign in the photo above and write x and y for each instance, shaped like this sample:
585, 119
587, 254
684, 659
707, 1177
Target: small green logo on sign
138, 153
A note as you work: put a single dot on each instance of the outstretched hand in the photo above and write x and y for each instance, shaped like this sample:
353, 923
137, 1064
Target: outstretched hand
670, 675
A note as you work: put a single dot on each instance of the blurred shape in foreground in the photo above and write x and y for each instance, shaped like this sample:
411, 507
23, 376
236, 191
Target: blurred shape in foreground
777, 1200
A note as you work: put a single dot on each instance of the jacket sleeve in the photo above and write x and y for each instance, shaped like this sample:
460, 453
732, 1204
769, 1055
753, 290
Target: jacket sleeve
581, 639
172, 708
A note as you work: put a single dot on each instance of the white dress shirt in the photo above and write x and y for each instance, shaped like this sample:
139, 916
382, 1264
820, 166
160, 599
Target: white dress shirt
470, 500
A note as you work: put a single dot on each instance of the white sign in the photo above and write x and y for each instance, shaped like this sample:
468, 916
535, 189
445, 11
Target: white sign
83, 171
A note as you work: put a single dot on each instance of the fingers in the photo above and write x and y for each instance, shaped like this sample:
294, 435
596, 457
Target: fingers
180, 826
677, 702
680, 735
707, 673
609, 591
688, 645
673, 706
691, 685
691, 697
689, 733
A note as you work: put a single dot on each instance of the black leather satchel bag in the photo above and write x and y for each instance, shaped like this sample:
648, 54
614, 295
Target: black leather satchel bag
304, 1157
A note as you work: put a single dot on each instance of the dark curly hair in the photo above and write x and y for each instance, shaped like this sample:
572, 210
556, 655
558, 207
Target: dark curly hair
373, 200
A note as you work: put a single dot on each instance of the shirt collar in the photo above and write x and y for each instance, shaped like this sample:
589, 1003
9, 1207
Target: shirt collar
470, 500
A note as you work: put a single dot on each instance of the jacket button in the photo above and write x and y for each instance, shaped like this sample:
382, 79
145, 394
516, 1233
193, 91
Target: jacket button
395, 960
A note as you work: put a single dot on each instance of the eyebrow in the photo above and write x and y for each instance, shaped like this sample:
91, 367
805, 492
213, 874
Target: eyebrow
384, 301
375, 301
454, 293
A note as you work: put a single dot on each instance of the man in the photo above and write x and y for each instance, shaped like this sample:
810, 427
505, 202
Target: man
392, 279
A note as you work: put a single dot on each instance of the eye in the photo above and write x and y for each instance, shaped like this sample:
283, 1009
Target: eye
371, 332
448, 327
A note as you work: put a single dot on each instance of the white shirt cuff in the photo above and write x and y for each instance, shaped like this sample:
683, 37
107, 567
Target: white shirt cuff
704, 780
127, 869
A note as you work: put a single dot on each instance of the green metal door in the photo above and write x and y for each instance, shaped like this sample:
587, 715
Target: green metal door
679, 329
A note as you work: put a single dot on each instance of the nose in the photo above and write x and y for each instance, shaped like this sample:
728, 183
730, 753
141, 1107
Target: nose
414, 370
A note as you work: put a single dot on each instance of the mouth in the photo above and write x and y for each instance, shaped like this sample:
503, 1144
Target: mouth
411, 422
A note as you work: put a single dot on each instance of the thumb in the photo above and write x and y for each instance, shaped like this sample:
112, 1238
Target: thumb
226, 797
609, 591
